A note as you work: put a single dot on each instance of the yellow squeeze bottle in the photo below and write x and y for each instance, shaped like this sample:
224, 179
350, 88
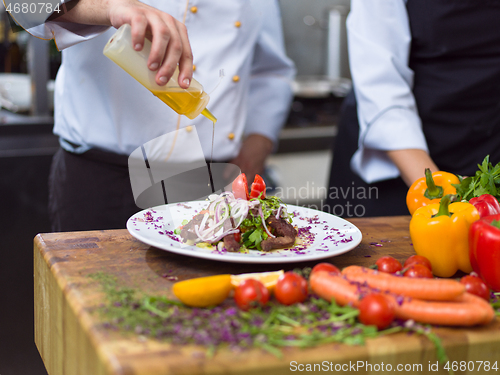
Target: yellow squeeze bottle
189, 102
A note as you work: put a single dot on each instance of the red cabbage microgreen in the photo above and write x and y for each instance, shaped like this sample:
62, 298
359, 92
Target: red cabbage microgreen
271, 327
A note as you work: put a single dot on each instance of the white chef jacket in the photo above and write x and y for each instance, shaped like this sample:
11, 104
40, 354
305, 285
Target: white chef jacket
97, 104
379, 47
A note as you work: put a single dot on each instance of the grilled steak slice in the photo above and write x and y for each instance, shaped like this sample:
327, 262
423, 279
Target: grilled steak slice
284, 231
187, 232
230, 242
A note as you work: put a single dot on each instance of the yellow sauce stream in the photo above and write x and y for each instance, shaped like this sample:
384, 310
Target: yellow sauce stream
185, 101
212, 118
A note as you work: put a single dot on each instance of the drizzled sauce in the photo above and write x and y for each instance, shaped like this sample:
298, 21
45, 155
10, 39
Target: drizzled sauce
184, 101
212, 118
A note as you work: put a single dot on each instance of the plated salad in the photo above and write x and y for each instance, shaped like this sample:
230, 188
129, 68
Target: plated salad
242, 219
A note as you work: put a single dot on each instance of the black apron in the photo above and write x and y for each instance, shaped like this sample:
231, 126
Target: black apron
455, 55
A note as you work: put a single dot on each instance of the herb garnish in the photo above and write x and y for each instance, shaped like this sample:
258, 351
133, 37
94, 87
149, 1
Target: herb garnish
495, 302
253, 232
485, 181
270, 328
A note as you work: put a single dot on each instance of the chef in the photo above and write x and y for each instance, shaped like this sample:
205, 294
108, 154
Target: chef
426, 78
102, 114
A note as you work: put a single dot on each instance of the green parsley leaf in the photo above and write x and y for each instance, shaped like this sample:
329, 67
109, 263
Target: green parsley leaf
485, 181
256, 236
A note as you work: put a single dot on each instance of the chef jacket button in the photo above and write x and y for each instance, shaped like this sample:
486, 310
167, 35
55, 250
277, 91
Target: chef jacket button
194, 9
189, 129
237, 24
230, 136
236, 78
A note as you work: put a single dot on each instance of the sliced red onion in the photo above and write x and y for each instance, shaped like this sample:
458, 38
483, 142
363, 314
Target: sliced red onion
230, 231
221, 208
228, 194
197, 231
264, 223
243, 217
239, 211
206, 236
225, 208
217, 213
254, 203
215, 237
278, 213
203, 222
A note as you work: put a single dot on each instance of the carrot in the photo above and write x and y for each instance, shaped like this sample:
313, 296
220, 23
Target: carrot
470, 310
489, 312
329, 286
427, 289
465, 310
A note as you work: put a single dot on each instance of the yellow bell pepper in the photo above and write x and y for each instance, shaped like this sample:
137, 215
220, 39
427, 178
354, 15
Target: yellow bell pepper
440, 233
430, 189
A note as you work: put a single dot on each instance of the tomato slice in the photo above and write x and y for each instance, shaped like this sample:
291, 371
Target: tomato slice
258, 189
240, 187
237, 236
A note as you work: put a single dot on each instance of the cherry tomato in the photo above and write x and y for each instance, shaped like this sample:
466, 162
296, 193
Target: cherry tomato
290, 288
251, 293
258, 188
237, 236
326, 267
388, 264
475, 285
240, 187
418, 271
418, 259
377, 310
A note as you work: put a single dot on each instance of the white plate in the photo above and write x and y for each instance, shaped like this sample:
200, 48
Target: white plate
323, 235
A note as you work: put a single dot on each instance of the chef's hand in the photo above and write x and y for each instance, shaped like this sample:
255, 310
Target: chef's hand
169, 38
170, 44
253, 154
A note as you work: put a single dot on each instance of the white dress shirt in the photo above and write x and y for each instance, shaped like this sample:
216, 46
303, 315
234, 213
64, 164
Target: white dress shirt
379, 46
97, 104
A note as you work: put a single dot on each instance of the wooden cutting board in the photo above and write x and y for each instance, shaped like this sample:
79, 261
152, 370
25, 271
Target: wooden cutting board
71, 340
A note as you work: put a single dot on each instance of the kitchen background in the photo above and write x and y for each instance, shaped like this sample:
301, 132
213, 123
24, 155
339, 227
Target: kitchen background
316, 41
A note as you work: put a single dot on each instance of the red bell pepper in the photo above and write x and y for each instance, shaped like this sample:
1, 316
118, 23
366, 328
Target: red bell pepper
484, 250
486, 204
